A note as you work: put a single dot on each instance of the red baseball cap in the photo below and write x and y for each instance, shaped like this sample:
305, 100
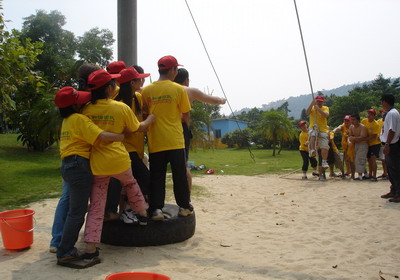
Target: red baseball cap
167, 62
99, 78
347, 117
115, 67
371, 111
319, 98
68, 96
300, 123
129, 74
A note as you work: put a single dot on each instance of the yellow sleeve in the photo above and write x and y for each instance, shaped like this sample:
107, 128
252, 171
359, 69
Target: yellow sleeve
132, 122
87, 129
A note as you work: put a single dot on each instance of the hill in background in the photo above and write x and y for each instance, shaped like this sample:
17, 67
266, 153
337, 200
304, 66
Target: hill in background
298, 103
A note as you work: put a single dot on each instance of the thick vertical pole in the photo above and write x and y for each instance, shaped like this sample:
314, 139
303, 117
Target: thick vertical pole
127, 31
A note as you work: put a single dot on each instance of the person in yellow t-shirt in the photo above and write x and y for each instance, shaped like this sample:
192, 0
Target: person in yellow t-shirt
374, 143
78, 134
318, 131
130, 82
347, 151
169, 102
303, 148
111, 159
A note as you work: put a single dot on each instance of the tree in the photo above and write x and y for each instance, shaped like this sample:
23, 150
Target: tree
17, 59
275, 126
284, 108
95, 46
59, 46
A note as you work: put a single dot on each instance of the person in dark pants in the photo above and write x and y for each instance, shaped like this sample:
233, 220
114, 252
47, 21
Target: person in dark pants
303, 148
390, 139
169, 102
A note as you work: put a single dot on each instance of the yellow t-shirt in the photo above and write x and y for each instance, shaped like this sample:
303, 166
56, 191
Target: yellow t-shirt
345, 135
135, 142
303, 138
167, 101
332, 141
115, 93
373, 128
322, 122
110, 158
78, 134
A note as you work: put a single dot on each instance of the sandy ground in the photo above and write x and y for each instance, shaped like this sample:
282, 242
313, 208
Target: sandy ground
260, 227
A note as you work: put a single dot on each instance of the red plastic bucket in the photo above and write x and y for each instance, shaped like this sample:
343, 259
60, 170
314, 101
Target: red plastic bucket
17, 228
137, 276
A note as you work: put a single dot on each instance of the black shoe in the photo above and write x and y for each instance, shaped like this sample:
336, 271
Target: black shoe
315, 174
395, 199
388, 195
142, 220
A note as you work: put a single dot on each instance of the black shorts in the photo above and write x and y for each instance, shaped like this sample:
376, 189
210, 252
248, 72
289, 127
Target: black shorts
373, 150
187, 135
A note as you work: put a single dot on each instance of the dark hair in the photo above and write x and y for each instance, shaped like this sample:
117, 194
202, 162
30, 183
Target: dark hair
125, 94
67, 111
183, 74
100, 93
356, 116
165, 71
388, 98
83, 73
139, 69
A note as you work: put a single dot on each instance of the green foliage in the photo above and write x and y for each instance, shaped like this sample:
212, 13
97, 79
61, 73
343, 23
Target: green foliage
239, 138
275, 126
201, 116
95, 46
362, 98
59, 45
253, 117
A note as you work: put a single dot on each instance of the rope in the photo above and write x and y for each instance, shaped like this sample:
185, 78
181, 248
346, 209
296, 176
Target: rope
216, 74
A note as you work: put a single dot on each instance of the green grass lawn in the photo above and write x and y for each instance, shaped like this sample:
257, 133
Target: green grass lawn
28, 176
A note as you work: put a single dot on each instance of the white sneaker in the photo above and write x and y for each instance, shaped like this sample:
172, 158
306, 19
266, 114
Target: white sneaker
325, 164
53, 249
128, 217
157, 215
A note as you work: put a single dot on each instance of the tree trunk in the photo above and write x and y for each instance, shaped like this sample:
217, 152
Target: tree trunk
273, 147
280, 148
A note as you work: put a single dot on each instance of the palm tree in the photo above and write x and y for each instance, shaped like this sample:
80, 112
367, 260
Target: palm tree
275, 126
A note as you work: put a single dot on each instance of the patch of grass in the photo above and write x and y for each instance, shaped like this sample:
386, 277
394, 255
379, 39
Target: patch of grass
239, 161
28, 176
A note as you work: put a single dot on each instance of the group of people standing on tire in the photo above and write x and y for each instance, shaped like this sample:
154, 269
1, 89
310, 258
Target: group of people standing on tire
105, 122
363, 141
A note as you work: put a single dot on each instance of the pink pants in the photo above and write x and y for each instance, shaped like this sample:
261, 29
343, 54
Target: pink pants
98, 197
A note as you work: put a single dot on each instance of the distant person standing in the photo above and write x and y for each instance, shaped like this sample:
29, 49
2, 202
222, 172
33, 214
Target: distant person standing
390, 138
169, 102
374, 144
303, 148
358, 135
344, 129
194, 94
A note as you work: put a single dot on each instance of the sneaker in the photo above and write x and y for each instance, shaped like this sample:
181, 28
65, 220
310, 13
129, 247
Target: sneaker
322, 177
365, 177
325, 164
385, 177
157, 215
388, 195
129, 217
315, 174
333, 175
73, 256
183, 212
304, 177
374, 179
358, 179
142, 220
53, 249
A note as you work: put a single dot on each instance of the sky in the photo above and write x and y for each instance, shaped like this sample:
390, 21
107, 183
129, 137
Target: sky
254, 45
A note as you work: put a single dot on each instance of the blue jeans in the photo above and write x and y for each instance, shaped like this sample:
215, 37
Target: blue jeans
76, 172
60, 216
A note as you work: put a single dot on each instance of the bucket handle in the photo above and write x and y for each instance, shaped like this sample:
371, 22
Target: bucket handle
29, 230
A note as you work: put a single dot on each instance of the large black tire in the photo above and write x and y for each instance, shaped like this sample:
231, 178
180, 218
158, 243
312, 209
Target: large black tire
173, 229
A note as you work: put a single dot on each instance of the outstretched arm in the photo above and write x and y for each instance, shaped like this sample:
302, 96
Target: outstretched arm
196, 94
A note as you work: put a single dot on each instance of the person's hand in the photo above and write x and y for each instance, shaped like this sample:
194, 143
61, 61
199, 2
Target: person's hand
222, 101
386, 149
